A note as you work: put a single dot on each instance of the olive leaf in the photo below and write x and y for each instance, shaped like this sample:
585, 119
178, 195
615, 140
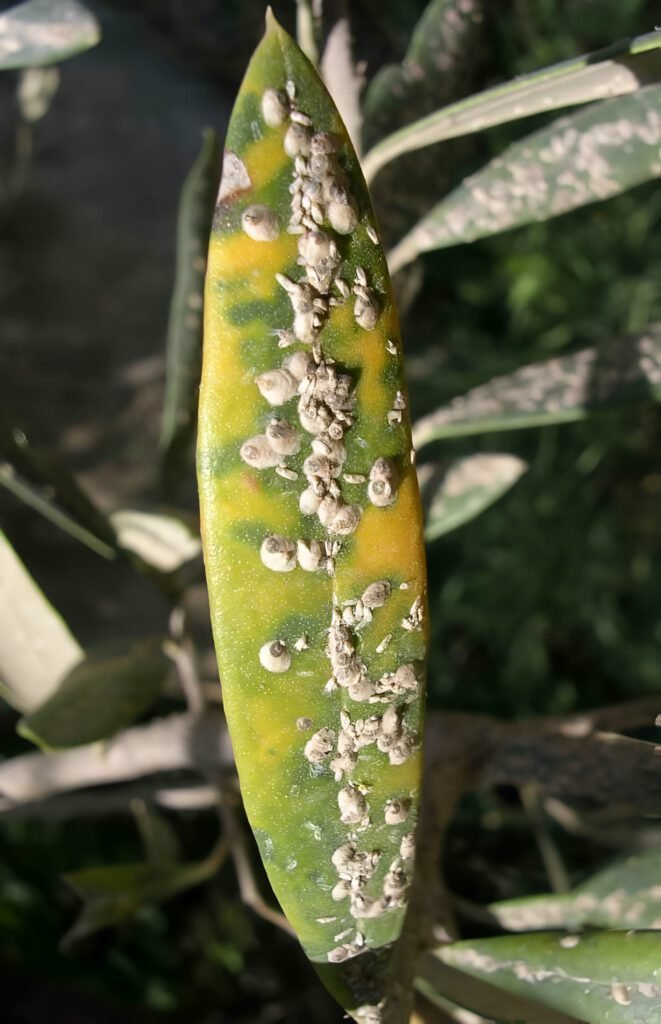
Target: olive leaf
560, 390
625, 895
164, 542
184, 340
453, 495
36, 647
618, 69
601, 978
595, 154
40, 32
102, 694
311, 523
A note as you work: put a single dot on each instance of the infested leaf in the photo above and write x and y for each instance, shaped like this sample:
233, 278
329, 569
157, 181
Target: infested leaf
40, 32
453, 495
560, 390
102, 694
314, 608
616, 70
625, 895
162, 541
184, 340
602, 978
112, 894
595, 154
36, 647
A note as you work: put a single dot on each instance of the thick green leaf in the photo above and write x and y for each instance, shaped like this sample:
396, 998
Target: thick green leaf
113, 894
613, 71
43, 32
36, 647
184, 340
453, 495
39, 478
161, 541
319, 608
593, 155
625, 895
602, 978
100, 696
560, 390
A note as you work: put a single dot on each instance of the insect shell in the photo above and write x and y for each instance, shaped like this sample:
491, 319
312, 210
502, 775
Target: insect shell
260, 223
278, 553
276, 386
274, 656
275, 107
282, 437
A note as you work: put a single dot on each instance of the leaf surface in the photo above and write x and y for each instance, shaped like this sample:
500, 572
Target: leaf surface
101, 695
41, 32
616, 70
453, 495
595, 154
36, 646
308, 655
559, 390
602, 978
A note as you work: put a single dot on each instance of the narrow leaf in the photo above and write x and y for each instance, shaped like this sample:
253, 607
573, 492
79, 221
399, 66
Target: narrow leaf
38, 477
36, 647
602, 978
595, 154
312, 523
163, 542
625, 895
560, 390
616, 70
41, 32
111, 895
100, 696
338, 70
184, 340
453, 495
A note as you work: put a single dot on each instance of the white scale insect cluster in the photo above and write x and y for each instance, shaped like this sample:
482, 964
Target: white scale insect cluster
322, 211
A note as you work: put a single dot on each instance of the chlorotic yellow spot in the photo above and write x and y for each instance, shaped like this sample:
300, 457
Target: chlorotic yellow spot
265, 159
396, 545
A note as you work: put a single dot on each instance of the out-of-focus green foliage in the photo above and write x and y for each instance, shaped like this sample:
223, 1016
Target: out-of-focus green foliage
40, 32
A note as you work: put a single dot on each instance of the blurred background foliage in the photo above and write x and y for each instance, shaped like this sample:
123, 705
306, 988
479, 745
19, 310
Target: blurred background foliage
549, 602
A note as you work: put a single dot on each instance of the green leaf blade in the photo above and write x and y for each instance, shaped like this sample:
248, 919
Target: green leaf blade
602, 978
453, 495
594, 155
286, 725
613, 71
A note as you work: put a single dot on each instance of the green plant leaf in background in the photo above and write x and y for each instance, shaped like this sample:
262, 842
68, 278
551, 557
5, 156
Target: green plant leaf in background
101, 695
561, 390
625, 895
36, 646
113, 894
38, 477
592, 155
453, 495
616, 70
602, 978
184, 340
41, 32
311, 524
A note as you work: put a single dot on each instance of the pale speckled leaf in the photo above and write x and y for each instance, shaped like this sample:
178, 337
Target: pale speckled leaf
36, 646
613, 71
102, 694
184, 339
442, 985
112, 894
338, 70
625, 895
162, 541
41, 32
593, 155
321, 643
602, 978
453, 495
560, 390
